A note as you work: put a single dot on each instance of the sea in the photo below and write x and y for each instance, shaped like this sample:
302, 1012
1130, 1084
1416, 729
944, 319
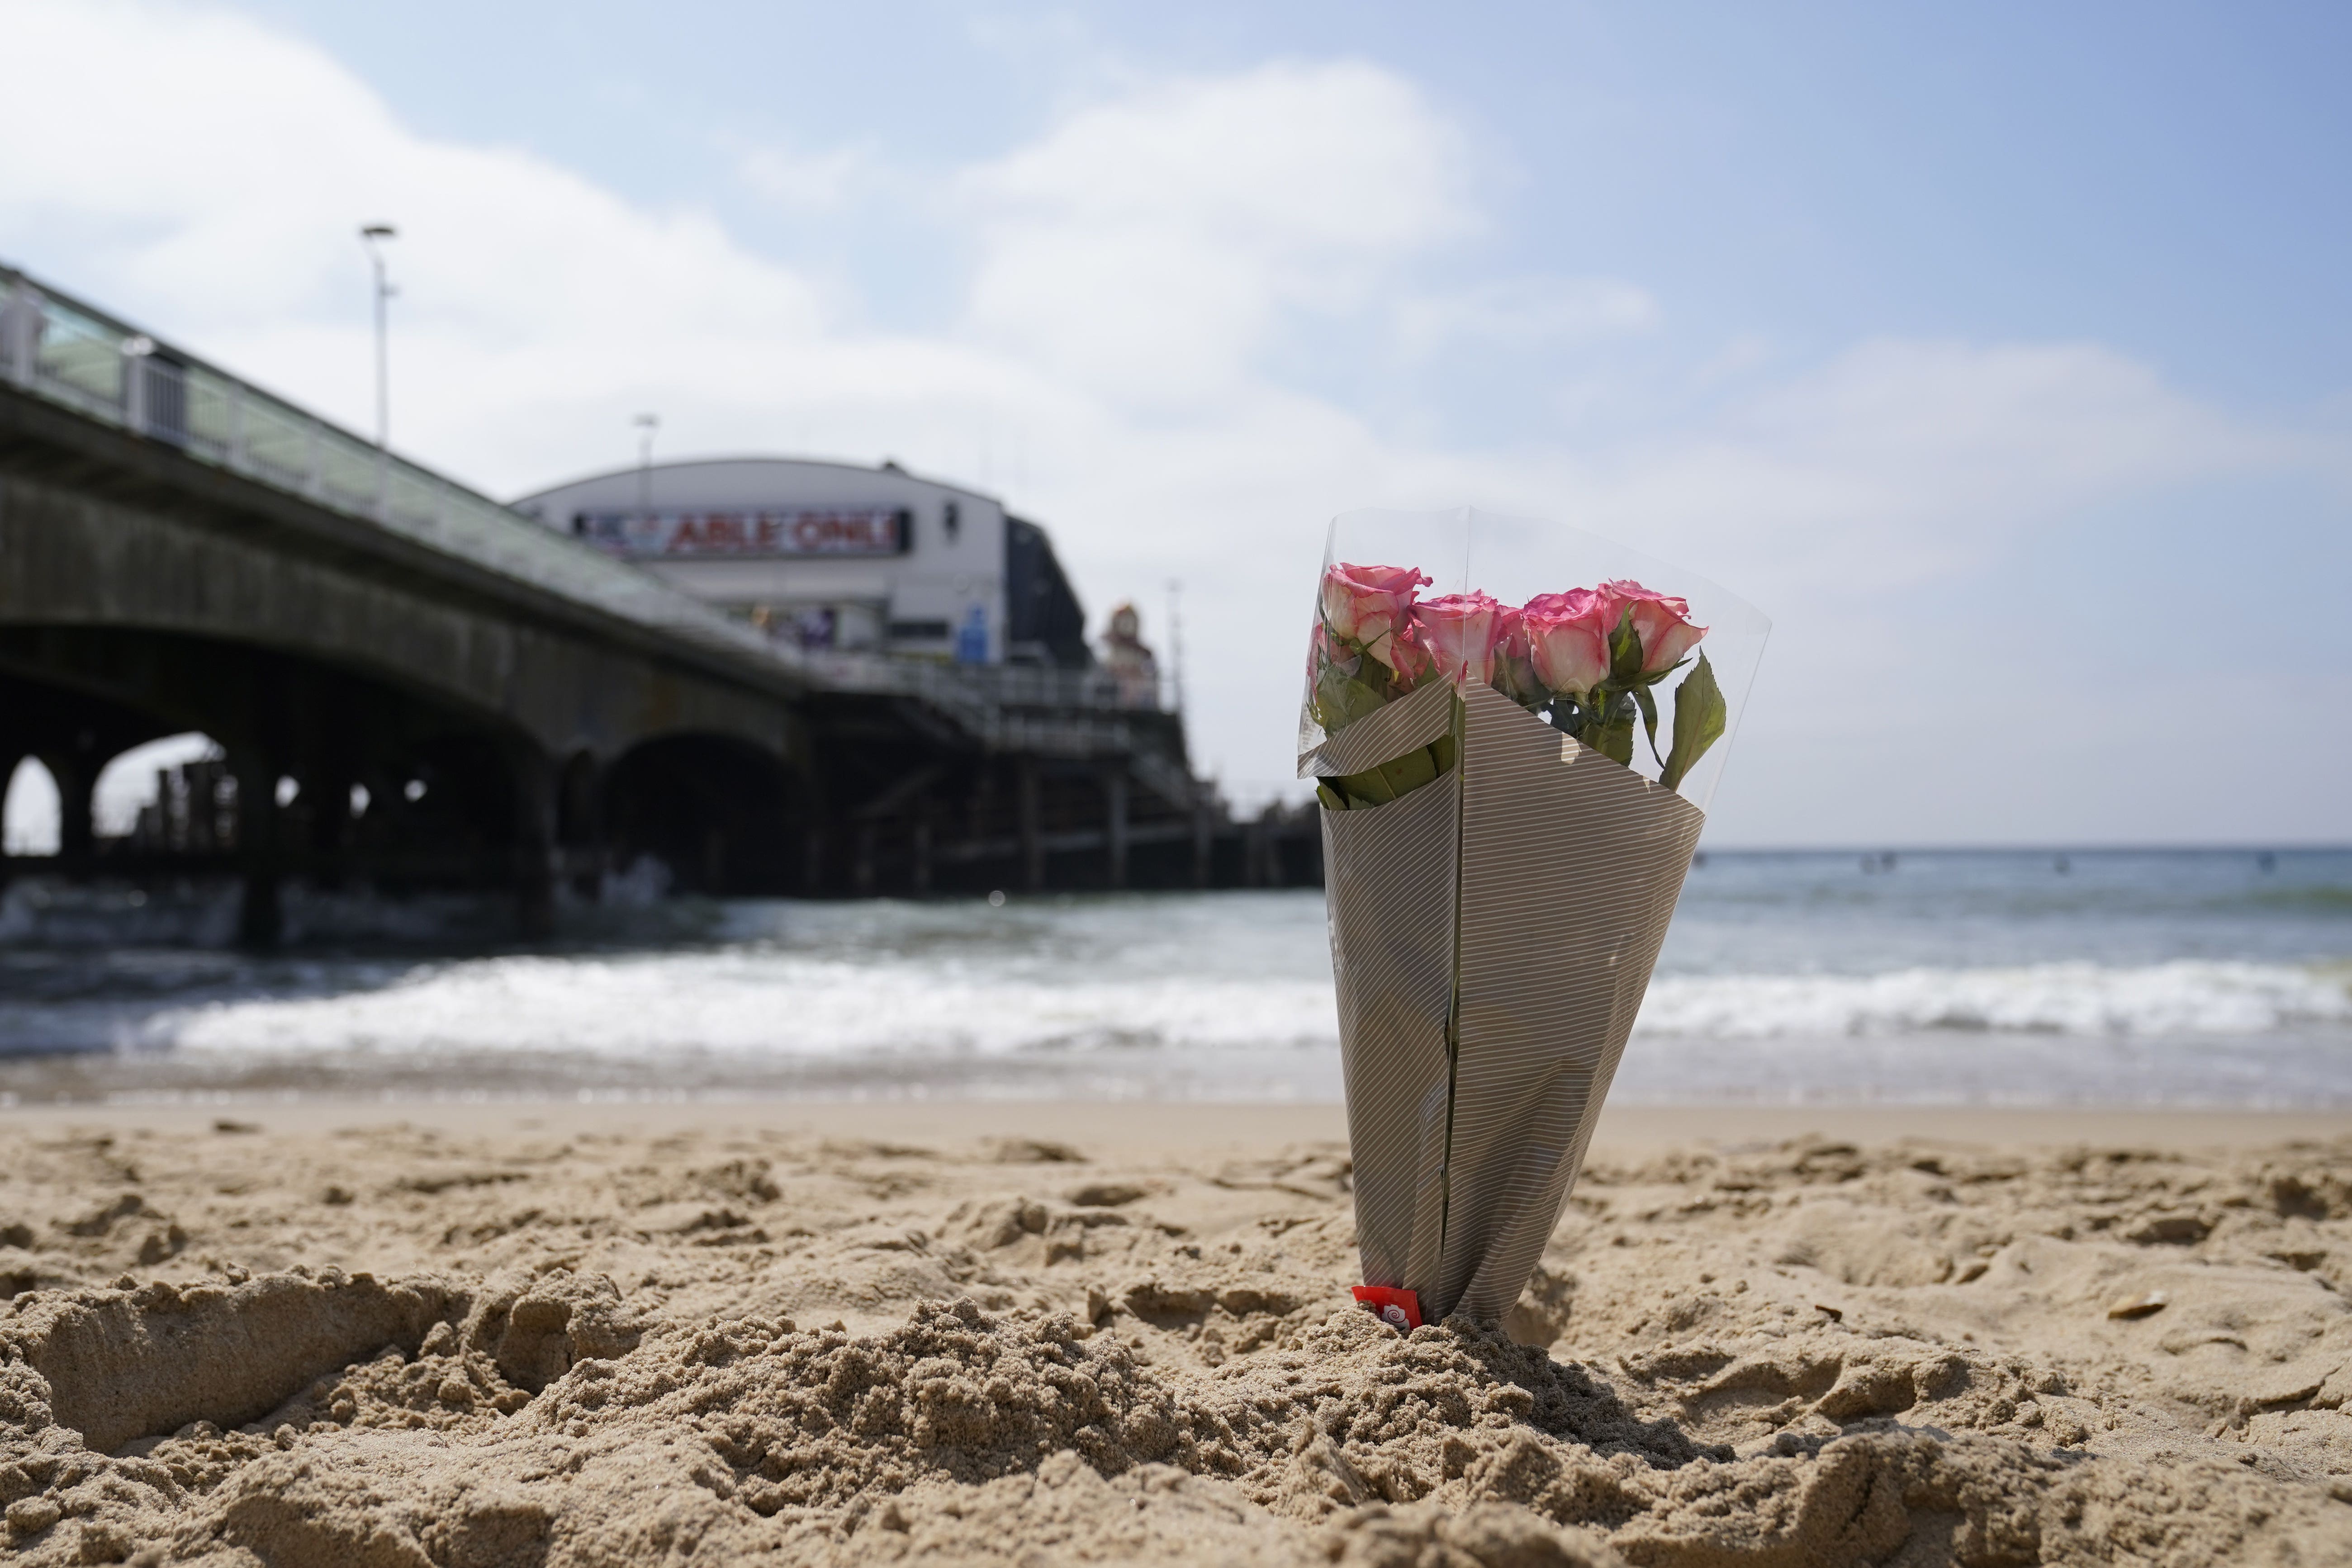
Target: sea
2174, 978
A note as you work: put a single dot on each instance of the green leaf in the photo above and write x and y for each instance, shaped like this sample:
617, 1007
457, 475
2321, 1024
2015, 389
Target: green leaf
1342, 699
1367, 788
1407, 774
1609, 730
1649, 719
1653, 679
1699, 718
1624, 651
1392, 780
1516, 678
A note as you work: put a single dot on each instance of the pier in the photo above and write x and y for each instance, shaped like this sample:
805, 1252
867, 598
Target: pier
414, 687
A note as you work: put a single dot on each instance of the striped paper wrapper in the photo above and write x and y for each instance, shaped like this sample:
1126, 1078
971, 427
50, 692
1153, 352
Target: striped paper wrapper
1520, 901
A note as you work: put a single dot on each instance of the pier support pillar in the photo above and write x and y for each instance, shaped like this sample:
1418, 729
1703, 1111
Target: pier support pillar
536, 812
813, 862
921, 874
579, 827
74, 773
1201, 846
11, 753
861, 871
1115, 825
260, 917
1033, 843
328, 787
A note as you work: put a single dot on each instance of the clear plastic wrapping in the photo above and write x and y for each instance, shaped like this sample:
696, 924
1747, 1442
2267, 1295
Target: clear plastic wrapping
1515, 729
1402, 594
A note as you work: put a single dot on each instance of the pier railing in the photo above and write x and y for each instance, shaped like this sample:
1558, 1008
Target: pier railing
1012, 707
59, 349
1026, 685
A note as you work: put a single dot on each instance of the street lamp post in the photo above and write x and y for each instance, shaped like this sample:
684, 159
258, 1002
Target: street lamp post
1176, 643
646, 424
373, 235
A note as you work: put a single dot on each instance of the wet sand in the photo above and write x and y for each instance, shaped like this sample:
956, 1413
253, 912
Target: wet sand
1010, 1332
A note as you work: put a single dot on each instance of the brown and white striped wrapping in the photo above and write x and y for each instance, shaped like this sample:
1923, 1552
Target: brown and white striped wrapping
1570, 865
1382, 735
1556, 871
1393, 966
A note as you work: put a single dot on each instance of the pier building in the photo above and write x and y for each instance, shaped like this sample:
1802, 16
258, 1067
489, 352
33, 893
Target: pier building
833, 557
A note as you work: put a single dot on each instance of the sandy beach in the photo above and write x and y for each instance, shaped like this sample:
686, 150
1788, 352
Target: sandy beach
1056, 1333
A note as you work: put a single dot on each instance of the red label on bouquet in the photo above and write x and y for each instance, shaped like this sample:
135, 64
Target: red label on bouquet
1398, 1308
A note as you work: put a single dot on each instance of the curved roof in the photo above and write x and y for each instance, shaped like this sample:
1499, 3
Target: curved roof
887, 466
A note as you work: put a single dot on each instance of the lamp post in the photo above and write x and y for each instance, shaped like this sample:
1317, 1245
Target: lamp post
373, 235
1176, 642
646, 424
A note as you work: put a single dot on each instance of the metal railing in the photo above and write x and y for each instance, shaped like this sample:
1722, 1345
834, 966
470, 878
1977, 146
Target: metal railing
59, 349
1006, 707
997, 685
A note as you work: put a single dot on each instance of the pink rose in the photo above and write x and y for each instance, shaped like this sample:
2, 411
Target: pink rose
1404, 654
1364, 603
1460, 632
1567, 638
1318, 651
1515, 671
1662, 624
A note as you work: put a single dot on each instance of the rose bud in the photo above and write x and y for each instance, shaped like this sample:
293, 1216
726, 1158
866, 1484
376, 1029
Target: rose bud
1405, 654
1568, 639
1515, 671
1662, 623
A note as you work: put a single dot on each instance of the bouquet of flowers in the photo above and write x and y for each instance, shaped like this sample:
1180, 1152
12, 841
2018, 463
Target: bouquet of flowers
1503, 853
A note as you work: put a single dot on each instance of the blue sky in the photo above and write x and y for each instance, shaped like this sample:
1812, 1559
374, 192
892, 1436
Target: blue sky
2154, 176
1998, 352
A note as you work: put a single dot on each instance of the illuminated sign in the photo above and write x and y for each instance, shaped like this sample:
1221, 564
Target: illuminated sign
814, 531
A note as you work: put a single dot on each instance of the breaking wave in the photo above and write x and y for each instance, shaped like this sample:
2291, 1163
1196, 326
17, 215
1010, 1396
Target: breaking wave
755, 1004
752, 1003
2182, 997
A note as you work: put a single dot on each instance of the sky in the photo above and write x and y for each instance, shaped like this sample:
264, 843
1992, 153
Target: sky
1998, 354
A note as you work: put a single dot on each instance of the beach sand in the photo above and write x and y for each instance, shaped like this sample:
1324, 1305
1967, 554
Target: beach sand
1038, 1333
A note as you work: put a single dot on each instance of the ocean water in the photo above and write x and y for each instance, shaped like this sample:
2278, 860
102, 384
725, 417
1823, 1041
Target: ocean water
2219, 978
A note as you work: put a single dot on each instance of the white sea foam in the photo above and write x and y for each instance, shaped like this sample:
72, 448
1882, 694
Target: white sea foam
752, 1005
2183, 997
761, 1003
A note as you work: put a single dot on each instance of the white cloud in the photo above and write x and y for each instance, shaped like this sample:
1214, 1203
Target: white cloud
814, 182
1887, 464
1150, 248
1131, 273
1523, 314
1745, 354
1898, 460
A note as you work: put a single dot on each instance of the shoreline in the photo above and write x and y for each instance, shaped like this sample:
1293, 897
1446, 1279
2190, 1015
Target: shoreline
1177, 1127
